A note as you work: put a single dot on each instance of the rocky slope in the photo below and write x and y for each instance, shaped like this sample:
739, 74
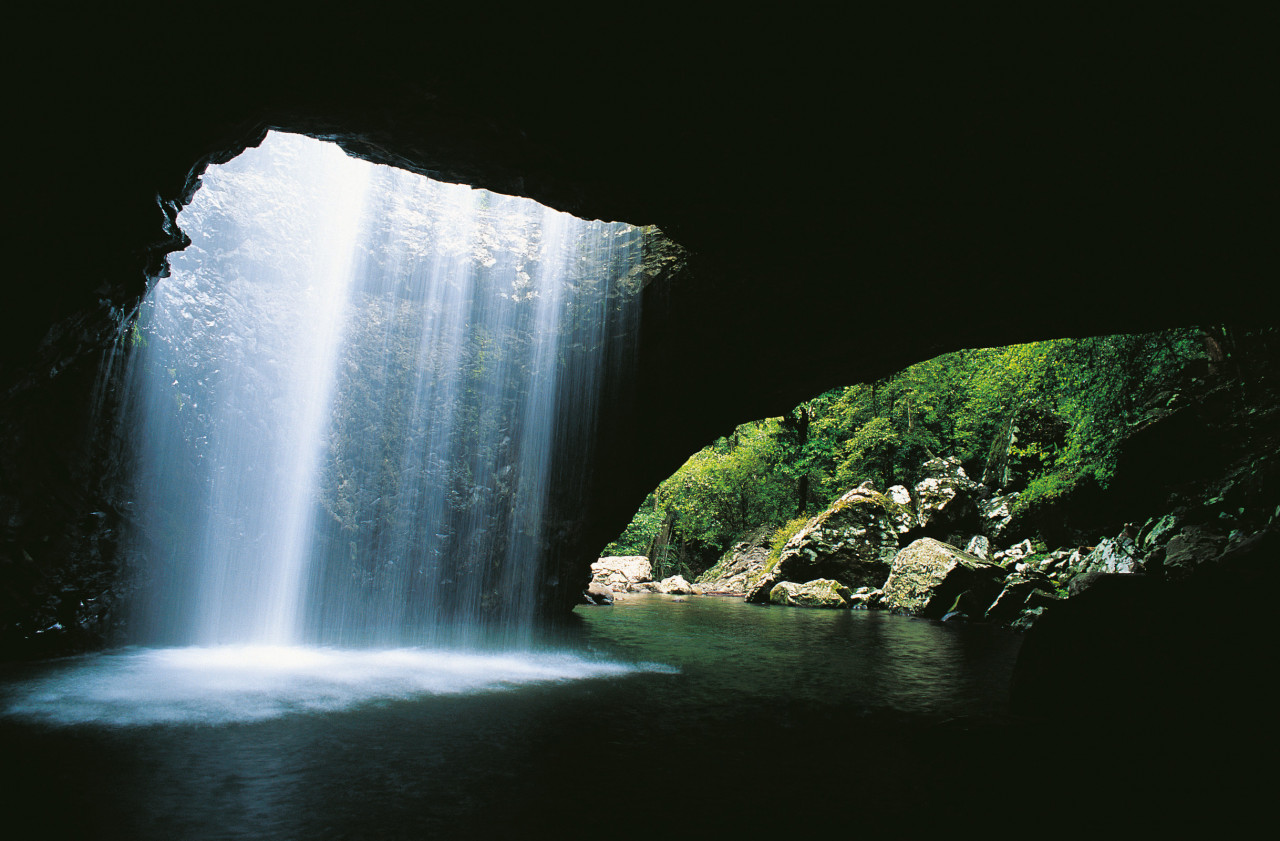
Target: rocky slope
1198, 485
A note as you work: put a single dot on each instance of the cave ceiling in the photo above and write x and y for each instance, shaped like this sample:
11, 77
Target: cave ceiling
856, 193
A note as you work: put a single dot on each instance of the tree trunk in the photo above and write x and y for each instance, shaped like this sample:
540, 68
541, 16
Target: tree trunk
802, 489
660, 548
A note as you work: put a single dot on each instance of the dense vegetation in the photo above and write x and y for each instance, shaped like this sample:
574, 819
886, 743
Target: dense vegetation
1080, 394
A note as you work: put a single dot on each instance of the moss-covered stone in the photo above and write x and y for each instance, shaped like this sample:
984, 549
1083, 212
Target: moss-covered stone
852, 542
929, 576
822, 592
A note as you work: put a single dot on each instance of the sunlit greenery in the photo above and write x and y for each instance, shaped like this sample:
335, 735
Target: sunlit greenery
767, 472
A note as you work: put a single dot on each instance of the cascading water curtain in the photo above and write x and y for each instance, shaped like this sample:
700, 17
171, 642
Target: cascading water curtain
347, 399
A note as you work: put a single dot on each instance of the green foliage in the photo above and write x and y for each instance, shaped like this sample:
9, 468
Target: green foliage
780, 537
955, 404
724, 490
640, 532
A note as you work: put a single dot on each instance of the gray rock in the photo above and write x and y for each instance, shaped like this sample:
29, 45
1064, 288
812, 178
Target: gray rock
822, 592
676, 585
979, 547
598, 593
929, 578
865, 598
622, 572
1192, 547
946, 495
995, 514
853, 542
743, 562
1017, 591
904, 517
1111, 555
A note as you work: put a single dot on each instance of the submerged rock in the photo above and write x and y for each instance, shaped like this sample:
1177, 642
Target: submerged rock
930, 578
822, 592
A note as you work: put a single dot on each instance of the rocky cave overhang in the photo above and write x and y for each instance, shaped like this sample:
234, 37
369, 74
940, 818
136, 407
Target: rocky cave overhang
855, 195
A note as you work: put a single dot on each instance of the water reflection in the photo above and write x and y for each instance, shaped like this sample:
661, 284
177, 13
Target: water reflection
759, 709
868, 658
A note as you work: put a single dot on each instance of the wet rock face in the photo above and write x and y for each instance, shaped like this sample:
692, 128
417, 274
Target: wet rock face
929, 577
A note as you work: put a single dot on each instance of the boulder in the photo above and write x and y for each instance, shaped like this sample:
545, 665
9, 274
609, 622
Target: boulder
621, 573
995, 515
979, 547
1027, 619
676, 585
822, 592
1111, 556
1157, 532
903, 516
597, 593
1014, 598
1193, 546
865, 598
930, 578
1014, 554
946, 496
852, 542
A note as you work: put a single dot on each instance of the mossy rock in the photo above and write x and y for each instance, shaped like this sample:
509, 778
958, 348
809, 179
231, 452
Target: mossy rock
853, 542
929, 576
822, 592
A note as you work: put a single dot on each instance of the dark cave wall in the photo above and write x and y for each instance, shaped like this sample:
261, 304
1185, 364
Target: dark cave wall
855, 193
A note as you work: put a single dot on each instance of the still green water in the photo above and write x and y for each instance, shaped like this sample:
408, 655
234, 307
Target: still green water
744, 718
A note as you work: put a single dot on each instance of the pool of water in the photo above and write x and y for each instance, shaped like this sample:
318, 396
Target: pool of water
654, 716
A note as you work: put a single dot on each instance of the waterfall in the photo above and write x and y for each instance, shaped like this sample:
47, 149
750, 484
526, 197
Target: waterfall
352, 399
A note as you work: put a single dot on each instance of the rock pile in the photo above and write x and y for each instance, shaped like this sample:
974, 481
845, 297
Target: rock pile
631, 574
